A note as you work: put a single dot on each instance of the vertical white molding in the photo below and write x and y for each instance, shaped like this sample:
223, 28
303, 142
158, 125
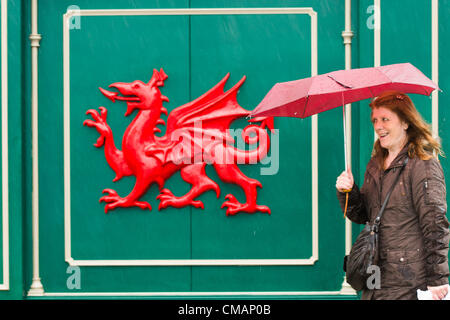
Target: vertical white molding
5, 173
66, 65
347, 35
36, 288
435, 66
314, 143
377, 41
377, 32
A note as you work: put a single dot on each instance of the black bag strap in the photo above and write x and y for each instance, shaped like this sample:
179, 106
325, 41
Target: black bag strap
378, 218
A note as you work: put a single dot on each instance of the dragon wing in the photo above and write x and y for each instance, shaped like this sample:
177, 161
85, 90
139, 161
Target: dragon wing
215, 109
209, 116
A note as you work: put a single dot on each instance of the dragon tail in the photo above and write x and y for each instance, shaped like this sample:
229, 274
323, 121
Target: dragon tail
253, 134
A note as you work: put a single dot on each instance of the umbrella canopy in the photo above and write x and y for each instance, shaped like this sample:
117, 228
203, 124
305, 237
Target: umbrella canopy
306, 97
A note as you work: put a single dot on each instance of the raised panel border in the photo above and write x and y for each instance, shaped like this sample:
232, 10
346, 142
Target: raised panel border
184, 262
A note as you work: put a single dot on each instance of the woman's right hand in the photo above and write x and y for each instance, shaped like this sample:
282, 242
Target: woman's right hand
345, 181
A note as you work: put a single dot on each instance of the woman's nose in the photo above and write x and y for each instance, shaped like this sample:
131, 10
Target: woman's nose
377, 126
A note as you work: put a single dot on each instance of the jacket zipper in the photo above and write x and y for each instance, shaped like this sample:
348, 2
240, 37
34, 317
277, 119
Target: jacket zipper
380, 190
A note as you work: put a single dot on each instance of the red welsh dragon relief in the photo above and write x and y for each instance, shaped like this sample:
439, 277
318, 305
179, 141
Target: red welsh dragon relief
197, 134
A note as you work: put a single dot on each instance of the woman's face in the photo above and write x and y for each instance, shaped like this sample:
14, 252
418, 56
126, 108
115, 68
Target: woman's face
390, 129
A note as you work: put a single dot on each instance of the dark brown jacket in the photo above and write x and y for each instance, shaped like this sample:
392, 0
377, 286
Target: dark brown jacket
414, 235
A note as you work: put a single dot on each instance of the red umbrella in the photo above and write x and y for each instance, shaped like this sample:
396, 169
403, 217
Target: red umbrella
306, 97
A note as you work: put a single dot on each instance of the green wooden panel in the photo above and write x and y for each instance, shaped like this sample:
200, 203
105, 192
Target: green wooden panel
270, 49
98, 58
106, 50
245, 52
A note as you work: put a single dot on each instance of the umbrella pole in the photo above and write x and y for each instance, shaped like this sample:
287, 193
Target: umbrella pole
345, 138
345, 156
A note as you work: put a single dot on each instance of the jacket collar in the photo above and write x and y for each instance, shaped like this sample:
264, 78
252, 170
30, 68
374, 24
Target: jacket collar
375, 171
400, 158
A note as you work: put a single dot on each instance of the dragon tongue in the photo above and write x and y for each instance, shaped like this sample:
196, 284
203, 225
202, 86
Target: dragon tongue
110, 95
130, 108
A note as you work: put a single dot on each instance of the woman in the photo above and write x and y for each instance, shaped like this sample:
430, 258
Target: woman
414, 235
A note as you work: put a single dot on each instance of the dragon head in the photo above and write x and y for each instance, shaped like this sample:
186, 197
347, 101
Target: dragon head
139, 95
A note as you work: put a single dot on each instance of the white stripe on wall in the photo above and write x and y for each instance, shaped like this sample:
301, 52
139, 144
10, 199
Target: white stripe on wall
435, 66
377, 41
5, 172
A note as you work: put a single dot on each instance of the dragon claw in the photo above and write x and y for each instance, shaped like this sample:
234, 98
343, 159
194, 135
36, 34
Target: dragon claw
216, 188
234, 206
100, 142
103, 113
228, 204
264, 209
167, 199
160, 121
231, 198
98, 123
94, 114
113, 200
198, 204
166, 191
111, 197
143, 205
110, 192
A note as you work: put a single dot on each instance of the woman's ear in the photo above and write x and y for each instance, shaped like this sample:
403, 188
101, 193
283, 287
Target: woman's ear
405, 126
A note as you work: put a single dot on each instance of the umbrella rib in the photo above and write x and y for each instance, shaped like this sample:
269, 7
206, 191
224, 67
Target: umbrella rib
306, 105
371, 92
340, 83
426, 93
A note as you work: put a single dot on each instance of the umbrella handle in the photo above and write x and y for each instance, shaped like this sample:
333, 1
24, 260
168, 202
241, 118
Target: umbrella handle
346, 203
345, 134
345, 155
